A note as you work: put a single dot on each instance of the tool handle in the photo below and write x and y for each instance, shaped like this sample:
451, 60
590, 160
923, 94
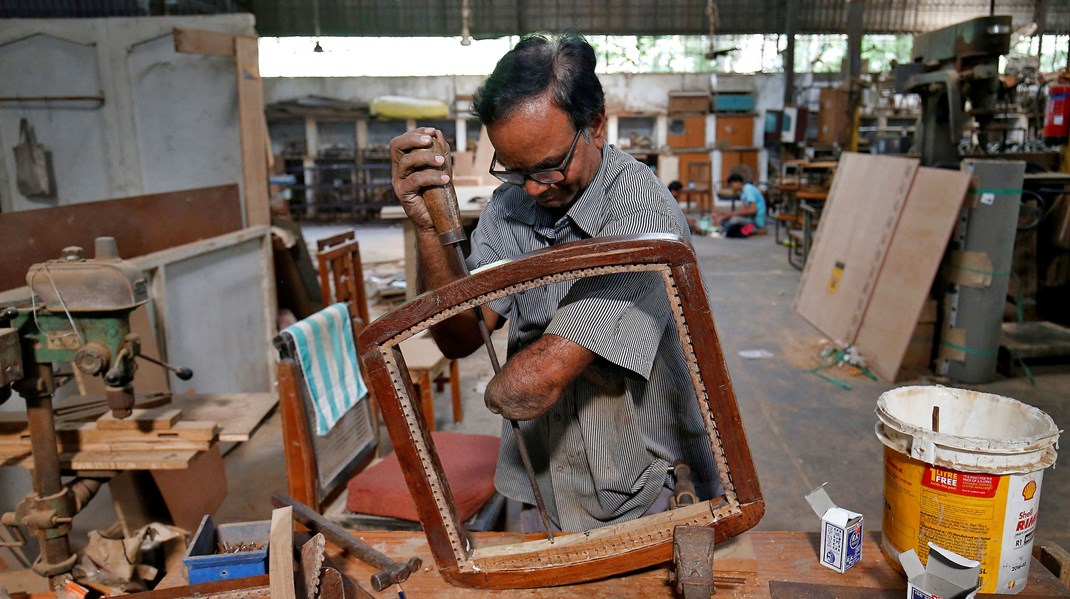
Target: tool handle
393, 572
441, 202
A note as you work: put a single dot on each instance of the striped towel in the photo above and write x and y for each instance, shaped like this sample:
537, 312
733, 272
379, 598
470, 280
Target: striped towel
328, 361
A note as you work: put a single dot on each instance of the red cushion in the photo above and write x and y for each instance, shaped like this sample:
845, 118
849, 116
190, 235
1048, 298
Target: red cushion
468, 462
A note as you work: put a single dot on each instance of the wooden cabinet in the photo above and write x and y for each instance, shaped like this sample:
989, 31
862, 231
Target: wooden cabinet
687, 133
735, 131
731, 159
687, 159
834, 119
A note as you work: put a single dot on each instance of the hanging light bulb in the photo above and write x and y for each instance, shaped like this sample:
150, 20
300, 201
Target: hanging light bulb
466, 35
316, 23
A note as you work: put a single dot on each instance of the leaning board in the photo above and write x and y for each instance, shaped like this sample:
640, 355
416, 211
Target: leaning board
857, 224
910, 265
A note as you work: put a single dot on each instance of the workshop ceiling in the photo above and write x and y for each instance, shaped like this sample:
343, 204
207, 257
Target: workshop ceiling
496, 18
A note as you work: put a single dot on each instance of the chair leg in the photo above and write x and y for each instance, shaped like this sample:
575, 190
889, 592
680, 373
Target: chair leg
427, 398
455, 389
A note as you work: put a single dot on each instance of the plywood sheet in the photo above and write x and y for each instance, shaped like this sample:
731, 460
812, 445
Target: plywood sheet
856, 227
902, 287
141, 225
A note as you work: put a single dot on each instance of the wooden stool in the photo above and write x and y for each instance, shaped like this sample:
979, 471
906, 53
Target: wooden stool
426, 365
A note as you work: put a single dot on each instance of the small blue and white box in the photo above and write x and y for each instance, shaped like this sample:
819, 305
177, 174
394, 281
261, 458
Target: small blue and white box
948, 575
841, 531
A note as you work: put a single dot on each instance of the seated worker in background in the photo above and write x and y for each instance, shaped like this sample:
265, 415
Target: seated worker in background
750, 218
595, 370
696, 229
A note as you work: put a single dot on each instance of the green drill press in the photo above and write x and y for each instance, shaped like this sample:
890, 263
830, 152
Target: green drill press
79, 313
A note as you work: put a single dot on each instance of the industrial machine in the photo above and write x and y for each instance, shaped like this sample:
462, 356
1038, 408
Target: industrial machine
951, 66
79, 313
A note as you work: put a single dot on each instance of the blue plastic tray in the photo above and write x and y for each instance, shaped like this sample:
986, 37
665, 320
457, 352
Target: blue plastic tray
202, 562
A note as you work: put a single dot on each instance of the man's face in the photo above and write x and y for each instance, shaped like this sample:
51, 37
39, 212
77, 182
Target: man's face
538, 136
737, 186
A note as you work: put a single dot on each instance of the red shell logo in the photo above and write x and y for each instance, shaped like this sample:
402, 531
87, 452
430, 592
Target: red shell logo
1030, 490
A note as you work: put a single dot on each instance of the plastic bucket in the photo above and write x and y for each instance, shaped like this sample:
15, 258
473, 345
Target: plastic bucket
973, 486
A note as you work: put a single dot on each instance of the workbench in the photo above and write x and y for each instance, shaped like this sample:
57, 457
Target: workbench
757, 557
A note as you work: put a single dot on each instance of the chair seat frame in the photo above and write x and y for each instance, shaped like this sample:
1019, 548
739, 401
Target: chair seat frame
600, 552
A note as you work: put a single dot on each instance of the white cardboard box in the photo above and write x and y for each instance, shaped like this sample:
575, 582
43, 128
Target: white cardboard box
948, 575
841, 532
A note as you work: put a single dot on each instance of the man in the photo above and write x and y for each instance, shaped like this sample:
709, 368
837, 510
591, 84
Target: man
595, 371
752, 212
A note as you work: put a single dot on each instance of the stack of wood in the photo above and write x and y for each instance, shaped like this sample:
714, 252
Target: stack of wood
149, 439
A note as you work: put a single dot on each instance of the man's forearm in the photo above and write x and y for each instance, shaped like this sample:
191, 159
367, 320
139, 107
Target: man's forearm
532, 381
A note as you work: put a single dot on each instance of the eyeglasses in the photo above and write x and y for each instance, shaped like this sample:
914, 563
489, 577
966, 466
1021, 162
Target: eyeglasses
545, 176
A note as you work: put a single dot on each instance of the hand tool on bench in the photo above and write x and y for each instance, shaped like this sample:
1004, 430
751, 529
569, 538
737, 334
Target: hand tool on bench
442, 205
390, 573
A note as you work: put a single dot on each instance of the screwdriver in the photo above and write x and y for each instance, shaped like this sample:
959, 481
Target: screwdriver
442, 205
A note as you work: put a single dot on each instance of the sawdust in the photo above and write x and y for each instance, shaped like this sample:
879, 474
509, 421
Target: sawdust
805, 354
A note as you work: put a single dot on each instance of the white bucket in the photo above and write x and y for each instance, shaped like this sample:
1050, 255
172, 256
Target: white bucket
973, 487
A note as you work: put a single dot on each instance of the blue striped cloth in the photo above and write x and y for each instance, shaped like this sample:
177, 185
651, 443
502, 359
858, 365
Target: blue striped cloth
327, 357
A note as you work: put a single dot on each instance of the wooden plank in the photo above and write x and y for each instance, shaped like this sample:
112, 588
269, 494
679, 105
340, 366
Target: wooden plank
105, 461
199, 41
153, 420
910, 264
280, 554
254, 141
1055, 559
866, 199
239, 414
31, 236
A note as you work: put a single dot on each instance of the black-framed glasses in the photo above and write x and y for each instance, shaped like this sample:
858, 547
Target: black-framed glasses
545, 176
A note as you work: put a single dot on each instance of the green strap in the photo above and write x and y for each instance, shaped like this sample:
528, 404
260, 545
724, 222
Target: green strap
1004, 191
970, 350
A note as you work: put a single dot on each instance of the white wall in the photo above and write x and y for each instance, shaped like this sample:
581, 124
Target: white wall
169, 121
625, 93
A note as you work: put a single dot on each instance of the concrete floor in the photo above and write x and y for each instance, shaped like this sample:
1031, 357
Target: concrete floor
803, 431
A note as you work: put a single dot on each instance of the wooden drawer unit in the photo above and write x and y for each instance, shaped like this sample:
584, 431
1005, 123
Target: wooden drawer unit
687, 133
735, 131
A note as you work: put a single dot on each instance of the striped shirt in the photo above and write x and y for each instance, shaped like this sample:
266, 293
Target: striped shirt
602, 452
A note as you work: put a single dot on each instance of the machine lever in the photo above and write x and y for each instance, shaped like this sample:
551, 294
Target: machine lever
182, 373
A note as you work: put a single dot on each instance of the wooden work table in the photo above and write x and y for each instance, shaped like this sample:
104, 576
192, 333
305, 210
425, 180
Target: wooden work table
757, 557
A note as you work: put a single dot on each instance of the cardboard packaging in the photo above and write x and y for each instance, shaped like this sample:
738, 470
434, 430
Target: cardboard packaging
948, 575
841, 532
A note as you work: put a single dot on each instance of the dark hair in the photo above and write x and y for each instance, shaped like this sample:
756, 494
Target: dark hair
675, 185
735, 177
563, 68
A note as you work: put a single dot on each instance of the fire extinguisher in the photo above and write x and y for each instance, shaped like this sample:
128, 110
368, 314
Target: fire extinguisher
1057, 115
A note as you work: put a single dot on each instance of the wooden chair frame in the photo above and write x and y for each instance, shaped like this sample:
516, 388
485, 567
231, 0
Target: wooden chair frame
601, 552
341, 270
303, 448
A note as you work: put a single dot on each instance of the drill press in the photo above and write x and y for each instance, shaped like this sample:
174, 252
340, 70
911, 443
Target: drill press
79, 313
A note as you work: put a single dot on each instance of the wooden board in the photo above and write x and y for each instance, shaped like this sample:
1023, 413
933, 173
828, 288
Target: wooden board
31, 236
910, 264
255, 149
111, 460
280, 553
856, 228
155, 419
238, 414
